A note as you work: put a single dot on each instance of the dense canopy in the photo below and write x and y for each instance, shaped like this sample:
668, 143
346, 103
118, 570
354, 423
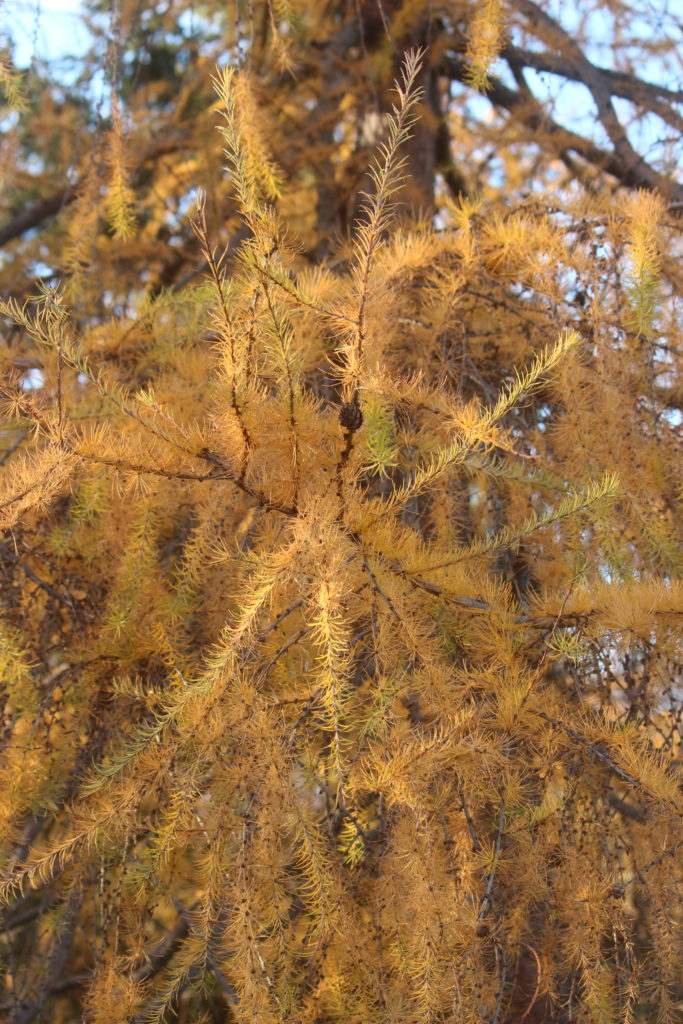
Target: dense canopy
341, 662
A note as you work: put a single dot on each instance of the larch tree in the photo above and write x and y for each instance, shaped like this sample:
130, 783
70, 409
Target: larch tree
340, 489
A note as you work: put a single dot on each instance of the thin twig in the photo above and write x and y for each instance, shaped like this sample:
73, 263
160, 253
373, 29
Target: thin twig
488, 892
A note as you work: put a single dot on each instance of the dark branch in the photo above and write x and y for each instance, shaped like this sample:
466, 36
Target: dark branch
52, 205
531, 114
627, 87
35, 215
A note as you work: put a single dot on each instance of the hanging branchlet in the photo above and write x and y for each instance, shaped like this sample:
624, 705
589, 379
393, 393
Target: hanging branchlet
227, 332
644, 216
12, 84
486, 32
120, 199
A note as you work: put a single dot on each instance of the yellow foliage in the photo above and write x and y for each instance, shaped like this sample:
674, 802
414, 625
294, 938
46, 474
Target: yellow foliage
340, 641
120, 197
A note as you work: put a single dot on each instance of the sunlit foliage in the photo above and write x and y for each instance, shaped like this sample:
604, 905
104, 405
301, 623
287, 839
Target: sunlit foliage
340, 634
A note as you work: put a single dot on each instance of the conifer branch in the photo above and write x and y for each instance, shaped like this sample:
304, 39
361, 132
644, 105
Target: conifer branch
282, 335
387, 176
377, 209
463, 449
120, 196
49, 328
12, 84
288, 284
570, 505
292, 642
597, 751
330, 637
490, 878
43, 867
292, 779
529, 381
11, 556
224, 327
